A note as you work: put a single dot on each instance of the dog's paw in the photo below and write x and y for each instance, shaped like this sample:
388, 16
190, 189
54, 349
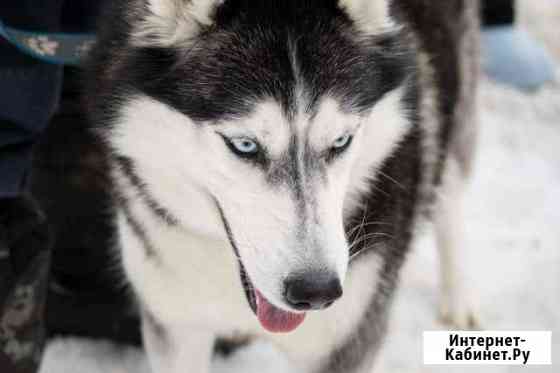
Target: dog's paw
459, 316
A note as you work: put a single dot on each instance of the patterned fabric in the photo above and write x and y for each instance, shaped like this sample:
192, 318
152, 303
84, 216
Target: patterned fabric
58, 48
24, 267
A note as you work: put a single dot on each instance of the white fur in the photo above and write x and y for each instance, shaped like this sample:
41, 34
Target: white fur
208, 296
310, 344
371, 16
66, 355
195, 277
178, 351
456, 305
170, 22
381, 132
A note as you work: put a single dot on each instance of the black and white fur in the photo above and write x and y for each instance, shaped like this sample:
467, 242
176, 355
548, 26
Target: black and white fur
174, 82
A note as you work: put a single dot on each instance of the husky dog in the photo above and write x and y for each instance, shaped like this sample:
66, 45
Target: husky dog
271, 160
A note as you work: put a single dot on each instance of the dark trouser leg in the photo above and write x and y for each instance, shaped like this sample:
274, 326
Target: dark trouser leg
28, 96
24, 266
498, 12
29, 92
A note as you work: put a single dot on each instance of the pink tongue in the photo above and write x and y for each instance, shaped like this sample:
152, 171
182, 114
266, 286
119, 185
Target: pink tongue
274, 319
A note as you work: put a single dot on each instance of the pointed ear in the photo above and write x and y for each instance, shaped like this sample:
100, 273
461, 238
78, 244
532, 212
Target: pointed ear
168, 22
371, 16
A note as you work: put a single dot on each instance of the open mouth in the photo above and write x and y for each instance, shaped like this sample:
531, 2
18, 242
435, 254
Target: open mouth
271, 318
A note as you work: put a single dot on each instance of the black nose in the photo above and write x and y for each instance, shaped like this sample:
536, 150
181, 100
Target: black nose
312, 291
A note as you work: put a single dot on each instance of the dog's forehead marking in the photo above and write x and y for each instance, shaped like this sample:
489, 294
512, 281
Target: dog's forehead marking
329, 123
304, 136
310, 131
267, 124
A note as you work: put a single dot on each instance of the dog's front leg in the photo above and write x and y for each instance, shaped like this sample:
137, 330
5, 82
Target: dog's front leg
176, 349
456, 308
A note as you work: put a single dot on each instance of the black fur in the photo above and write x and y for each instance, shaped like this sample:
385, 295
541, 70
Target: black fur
439, 28
137, 229
127, 168
249, 54
70, 180
245, 281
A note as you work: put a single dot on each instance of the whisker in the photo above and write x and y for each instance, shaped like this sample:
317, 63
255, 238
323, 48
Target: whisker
367, 225
364, 250
368, 236
392, 179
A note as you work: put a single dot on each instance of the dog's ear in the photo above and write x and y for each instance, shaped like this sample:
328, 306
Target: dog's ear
371, 16
168, 22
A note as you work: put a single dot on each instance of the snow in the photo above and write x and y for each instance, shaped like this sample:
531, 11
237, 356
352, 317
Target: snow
513, 226
513, 238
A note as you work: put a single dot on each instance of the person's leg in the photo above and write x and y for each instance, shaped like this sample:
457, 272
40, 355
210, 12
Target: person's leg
29, 91
24, 266
510, 55
498, 12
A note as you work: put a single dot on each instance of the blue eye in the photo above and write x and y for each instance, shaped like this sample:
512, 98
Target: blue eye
244, 146
339, 146
342, 142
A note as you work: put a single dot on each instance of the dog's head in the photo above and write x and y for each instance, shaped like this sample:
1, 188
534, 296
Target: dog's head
261, 122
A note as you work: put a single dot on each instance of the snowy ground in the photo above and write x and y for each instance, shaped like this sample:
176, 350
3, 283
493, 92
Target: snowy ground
513, 233
513, 217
